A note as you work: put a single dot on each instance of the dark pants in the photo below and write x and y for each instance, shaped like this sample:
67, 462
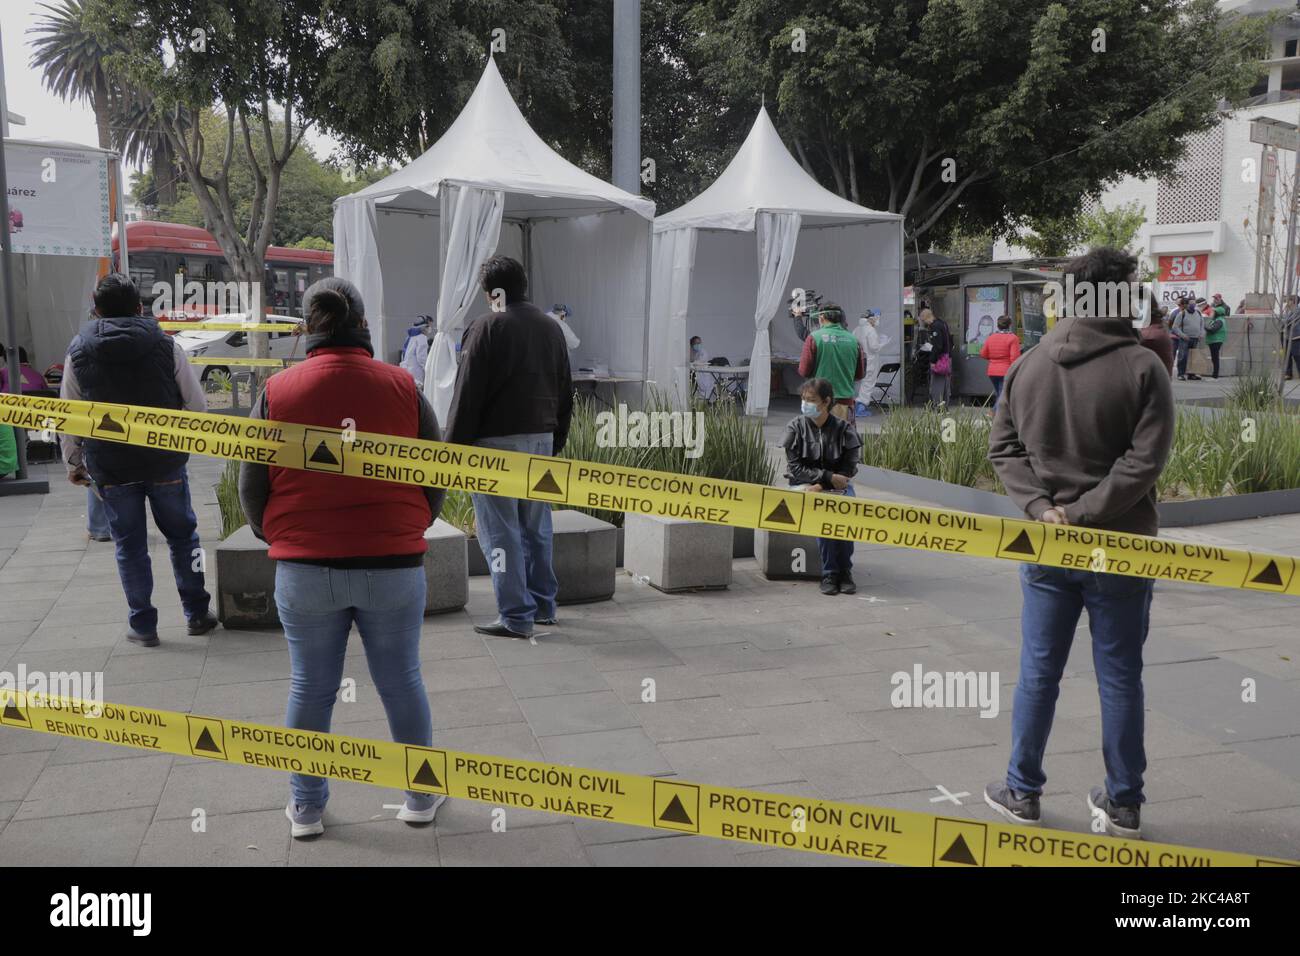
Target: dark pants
1214, 356
837, 555
997, 390
1293, 358
1185, 347
169, 500
1119, 611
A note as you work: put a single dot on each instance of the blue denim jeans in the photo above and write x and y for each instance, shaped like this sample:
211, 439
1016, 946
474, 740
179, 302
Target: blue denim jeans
96, 516
837, 555
1185, 346
1119, 613
317, 606
169, 500
997, 390
515, 536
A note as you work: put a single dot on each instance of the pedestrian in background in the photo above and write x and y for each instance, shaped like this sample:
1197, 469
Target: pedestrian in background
833, 353
821, 454
1216, 329
1155, 336
347, 550
513, 392
937, 355
1000, 350
1188, 328
1085, 428
122, 357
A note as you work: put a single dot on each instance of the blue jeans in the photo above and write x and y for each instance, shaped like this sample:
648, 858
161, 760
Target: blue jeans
96, 516
837, 555
317, 606
997, 390
515, 536
169, 500
1119, 613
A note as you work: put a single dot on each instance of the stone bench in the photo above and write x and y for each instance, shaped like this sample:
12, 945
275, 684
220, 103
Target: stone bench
677, 555
245, 585
778, 555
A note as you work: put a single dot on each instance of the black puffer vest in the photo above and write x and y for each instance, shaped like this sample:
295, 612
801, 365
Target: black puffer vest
126, 361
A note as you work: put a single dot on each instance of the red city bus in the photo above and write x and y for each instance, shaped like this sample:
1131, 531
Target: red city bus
164, 251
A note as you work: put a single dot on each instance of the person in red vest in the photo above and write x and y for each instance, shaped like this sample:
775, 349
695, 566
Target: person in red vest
1000, 349
346, 549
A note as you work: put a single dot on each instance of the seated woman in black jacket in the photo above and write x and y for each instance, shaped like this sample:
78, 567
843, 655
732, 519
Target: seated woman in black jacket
822, 454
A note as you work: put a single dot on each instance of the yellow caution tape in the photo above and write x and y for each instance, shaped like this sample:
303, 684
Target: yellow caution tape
901, 837
635, 490
230, 326
277, 363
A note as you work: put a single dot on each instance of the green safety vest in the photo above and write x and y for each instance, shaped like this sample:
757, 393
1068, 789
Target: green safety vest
837, 358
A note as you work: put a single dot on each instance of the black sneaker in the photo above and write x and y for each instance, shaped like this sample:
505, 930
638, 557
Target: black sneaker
846, 583
830, 584
143, 640
201, 625
497, 629
1120, 821
1017, 807
546, 621
1193, 377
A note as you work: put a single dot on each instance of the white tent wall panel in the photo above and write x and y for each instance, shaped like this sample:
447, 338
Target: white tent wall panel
52, 301
407, 258
724, 287
597, 266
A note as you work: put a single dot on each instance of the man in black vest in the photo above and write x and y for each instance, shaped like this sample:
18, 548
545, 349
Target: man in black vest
121, 357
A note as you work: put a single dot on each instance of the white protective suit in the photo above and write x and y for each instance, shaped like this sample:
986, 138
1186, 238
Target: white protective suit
570, 337
872, 343
417, 351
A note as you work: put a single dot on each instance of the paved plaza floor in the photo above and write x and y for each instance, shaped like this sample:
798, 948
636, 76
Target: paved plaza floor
766, 685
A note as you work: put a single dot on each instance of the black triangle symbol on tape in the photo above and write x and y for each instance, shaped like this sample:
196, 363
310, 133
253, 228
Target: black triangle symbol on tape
547, 485
959, 852
108, 425
323, 456
781, 514
675, 813
425, 776
13, 713
205, 742
1022, 544
1270, 575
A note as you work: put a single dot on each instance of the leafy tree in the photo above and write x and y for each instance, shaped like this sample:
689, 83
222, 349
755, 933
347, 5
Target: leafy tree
73, 61
980, 113
1052, 236
313, 242
1118, 227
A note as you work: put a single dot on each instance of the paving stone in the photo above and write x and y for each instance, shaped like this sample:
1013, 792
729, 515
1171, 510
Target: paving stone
474, 707
619, 751
82, 788
842, 770
725, 658
109, 838
555, 845
576, 713
670, 683
379, 843
912, 730
730, 761
545, 680
1233, 781
19, 770
696, 719
675, 851
765, 687
256, 838
1207, 697
631, 654
221, 788
804, 724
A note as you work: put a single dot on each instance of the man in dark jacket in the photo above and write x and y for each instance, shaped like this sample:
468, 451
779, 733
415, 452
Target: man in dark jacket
514, 391
822, 452
1085, 427
121, 357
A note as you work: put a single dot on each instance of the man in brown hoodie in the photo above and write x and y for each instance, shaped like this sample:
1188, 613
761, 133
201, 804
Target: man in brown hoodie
1083, 432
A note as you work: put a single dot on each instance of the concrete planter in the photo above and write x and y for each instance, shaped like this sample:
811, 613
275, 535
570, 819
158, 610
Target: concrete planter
1173, 514
446, 568
778, 556
585, 552
246, 577
677, 555
245, 583
743, 543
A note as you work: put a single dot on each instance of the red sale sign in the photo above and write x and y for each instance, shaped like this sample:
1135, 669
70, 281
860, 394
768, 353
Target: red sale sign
1184, 268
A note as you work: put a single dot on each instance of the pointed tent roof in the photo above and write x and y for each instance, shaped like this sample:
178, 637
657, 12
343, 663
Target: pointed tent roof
764, 177
490, 144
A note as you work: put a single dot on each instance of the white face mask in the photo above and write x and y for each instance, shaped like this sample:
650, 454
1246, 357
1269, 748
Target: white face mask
809, 409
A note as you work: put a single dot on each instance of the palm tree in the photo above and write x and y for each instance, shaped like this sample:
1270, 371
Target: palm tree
72, 60
139, 135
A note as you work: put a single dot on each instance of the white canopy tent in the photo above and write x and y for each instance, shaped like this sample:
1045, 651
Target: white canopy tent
413, 242
807, 237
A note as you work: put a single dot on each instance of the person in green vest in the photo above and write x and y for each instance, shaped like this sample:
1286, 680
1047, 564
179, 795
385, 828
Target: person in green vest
832, 352
1218, 321
8, 451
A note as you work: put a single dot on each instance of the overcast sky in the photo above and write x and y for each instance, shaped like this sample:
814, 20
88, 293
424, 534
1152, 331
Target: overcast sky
48, 116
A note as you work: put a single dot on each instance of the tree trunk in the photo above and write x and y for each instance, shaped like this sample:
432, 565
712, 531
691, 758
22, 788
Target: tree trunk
163, 164
102, 122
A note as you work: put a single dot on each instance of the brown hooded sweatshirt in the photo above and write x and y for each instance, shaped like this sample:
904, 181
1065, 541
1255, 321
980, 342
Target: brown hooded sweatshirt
1086, 423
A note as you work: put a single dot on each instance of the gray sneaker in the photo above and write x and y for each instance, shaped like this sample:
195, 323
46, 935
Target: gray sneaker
420, 811
1019, 808
1120, 821
305, 821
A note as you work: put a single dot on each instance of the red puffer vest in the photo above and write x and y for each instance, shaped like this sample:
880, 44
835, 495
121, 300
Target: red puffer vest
313, 514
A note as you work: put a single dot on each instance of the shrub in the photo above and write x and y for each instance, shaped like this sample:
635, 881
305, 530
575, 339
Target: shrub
232, 512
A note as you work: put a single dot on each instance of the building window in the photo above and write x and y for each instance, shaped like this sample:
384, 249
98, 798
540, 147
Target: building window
1193, 193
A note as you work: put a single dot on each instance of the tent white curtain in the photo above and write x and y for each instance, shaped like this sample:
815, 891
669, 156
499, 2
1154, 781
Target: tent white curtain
670, 297
777, 234
356, 258
472, 228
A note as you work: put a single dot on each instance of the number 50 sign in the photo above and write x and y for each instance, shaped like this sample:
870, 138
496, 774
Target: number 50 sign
1184, 268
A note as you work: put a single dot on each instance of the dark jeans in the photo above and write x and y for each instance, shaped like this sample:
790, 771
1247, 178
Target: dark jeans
997, 390
1214, 356
1119, 611
1185, 347
1293, 357
837, 555
169, 500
